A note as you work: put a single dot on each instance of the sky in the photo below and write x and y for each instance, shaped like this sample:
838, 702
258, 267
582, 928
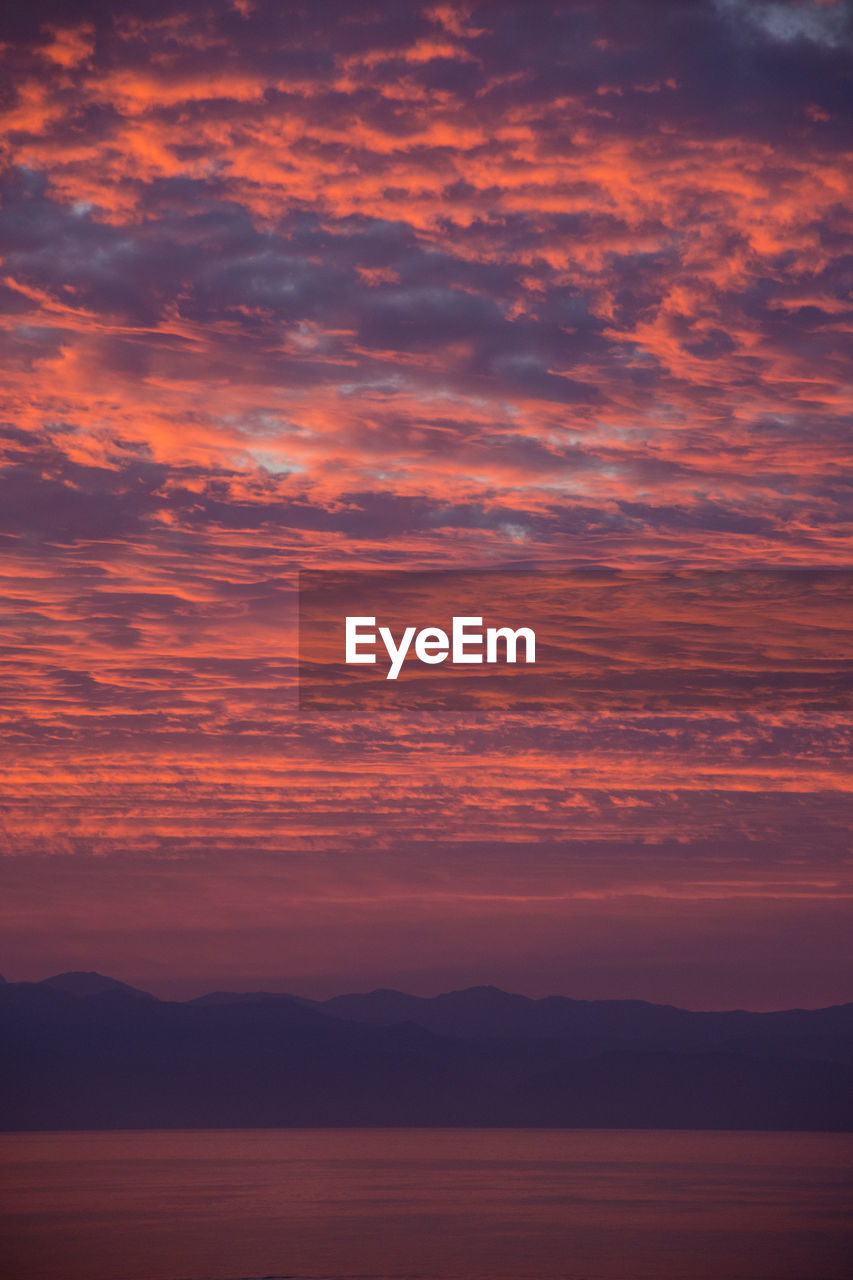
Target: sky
353, 286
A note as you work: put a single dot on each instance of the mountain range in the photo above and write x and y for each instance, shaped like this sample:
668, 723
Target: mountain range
84, 1051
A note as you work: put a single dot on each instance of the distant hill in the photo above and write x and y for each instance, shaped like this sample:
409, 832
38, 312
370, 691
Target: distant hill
586, 1027
84, 1051
79, 983
595, 1026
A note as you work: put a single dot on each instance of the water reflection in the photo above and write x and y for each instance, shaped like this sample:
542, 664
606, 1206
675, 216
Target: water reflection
427, 1205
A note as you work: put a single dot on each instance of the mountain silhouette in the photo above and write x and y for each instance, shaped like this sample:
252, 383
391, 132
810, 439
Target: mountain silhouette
79, 983
84, 1051
588, 1026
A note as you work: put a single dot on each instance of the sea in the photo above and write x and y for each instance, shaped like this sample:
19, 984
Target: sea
426, 1204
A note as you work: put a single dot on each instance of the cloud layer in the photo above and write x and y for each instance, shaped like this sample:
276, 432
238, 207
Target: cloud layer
361, 285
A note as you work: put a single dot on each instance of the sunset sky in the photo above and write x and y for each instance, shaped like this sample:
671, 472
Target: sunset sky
446, 286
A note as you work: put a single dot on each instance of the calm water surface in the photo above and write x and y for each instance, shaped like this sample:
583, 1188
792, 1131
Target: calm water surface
426, 1205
